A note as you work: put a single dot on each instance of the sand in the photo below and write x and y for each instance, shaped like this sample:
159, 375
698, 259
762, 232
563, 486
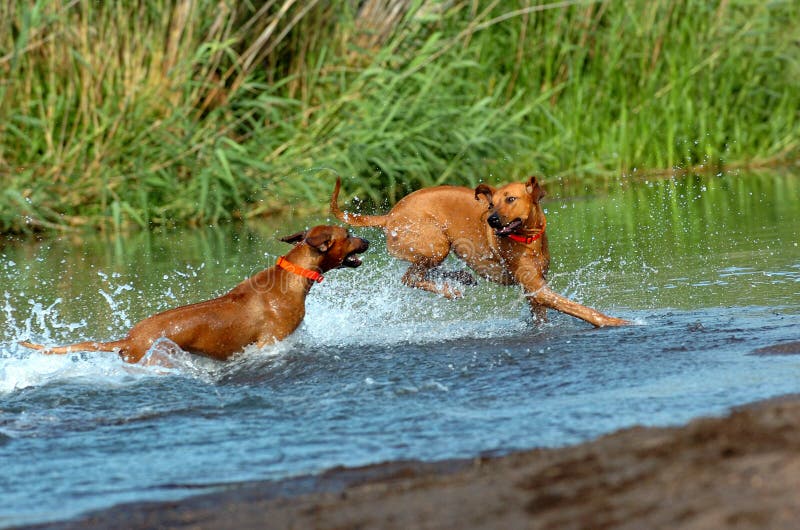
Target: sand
739, 471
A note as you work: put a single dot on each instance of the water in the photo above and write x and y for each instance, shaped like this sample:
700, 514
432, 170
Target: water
709, 268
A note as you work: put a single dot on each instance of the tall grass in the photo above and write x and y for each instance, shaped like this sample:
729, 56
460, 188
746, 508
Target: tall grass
117, 114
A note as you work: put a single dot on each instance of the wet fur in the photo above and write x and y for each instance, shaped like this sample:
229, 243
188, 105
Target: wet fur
262, 309
428, 224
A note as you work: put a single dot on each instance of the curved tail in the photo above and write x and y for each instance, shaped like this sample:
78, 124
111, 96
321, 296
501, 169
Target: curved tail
353, 219
81, 346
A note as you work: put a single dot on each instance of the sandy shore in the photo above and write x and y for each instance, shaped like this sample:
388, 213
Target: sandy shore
739, 471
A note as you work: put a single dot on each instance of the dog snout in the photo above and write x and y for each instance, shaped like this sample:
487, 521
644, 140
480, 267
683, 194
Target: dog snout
361, 244
494, 221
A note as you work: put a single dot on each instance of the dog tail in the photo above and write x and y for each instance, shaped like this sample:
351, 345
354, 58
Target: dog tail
353, 219
81, 346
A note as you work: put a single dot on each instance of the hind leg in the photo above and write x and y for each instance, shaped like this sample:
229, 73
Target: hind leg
426, 247
461, 276
417, 276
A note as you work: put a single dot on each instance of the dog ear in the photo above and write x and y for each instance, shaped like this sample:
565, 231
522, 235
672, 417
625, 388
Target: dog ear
486, 190
294, 238
534, 189
320, 240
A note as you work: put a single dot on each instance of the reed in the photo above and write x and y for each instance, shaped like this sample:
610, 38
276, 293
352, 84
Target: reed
115, 115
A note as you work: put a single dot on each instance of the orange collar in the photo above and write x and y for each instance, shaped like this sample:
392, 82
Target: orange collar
527, 240
300, 271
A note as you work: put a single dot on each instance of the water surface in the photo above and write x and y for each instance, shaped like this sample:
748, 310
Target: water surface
708, 268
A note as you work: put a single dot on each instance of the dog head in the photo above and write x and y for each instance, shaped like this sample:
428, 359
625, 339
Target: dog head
514, 206
336, 247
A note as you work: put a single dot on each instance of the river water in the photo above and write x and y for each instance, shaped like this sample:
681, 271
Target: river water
707, 267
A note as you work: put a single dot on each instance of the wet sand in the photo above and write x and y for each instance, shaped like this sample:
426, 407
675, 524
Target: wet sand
739, 471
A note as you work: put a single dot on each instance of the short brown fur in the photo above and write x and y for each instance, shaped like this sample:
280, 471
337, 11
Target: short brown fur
262, 309
426, 225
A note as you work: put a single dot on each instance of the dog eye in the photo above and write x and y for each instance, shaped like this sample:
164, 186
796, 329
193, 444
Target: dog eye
509, 200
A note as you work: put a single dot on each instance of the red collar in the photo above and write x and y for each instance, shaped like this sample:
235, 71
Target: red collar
527, 240
300, 271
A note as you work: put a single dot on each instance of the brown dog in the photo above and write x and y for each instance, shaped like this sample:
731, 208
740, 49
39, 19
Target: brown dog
499, 233
263, 309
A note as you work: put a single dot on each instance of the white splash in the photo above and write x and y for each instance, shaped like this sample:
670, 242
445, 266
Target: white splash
373, 306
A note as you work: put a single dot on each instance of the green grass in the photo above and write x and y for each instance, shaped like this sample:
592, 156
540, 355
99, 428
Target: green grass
191, 113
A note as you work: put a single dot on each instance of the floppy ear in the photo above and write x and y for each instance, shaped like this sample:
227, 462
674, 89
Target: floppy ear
294, 238
534, 189
486, 190
320, 240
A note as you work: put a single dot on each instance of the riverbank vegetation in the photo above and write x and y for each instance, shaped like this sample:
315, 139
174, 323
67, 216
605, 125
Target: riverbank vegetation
194, 112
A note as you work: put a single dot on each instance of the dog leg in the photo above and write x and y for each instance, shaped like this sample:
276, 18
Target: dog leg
546, 297
417, 276
538, 311
541, 296
463, 276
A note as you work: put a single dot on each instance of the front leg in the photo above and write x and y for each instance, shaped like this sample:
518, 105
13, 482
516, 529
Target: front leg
538, 311
540, 296
545, 296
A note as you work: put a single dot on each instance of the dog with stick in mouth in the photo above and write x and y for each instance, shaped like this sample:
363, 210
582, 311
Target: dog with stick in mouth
498, 232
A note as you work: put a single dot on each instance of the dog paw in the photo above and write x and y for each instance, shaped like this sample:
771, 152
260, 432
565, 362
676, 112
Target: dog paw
450, 293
